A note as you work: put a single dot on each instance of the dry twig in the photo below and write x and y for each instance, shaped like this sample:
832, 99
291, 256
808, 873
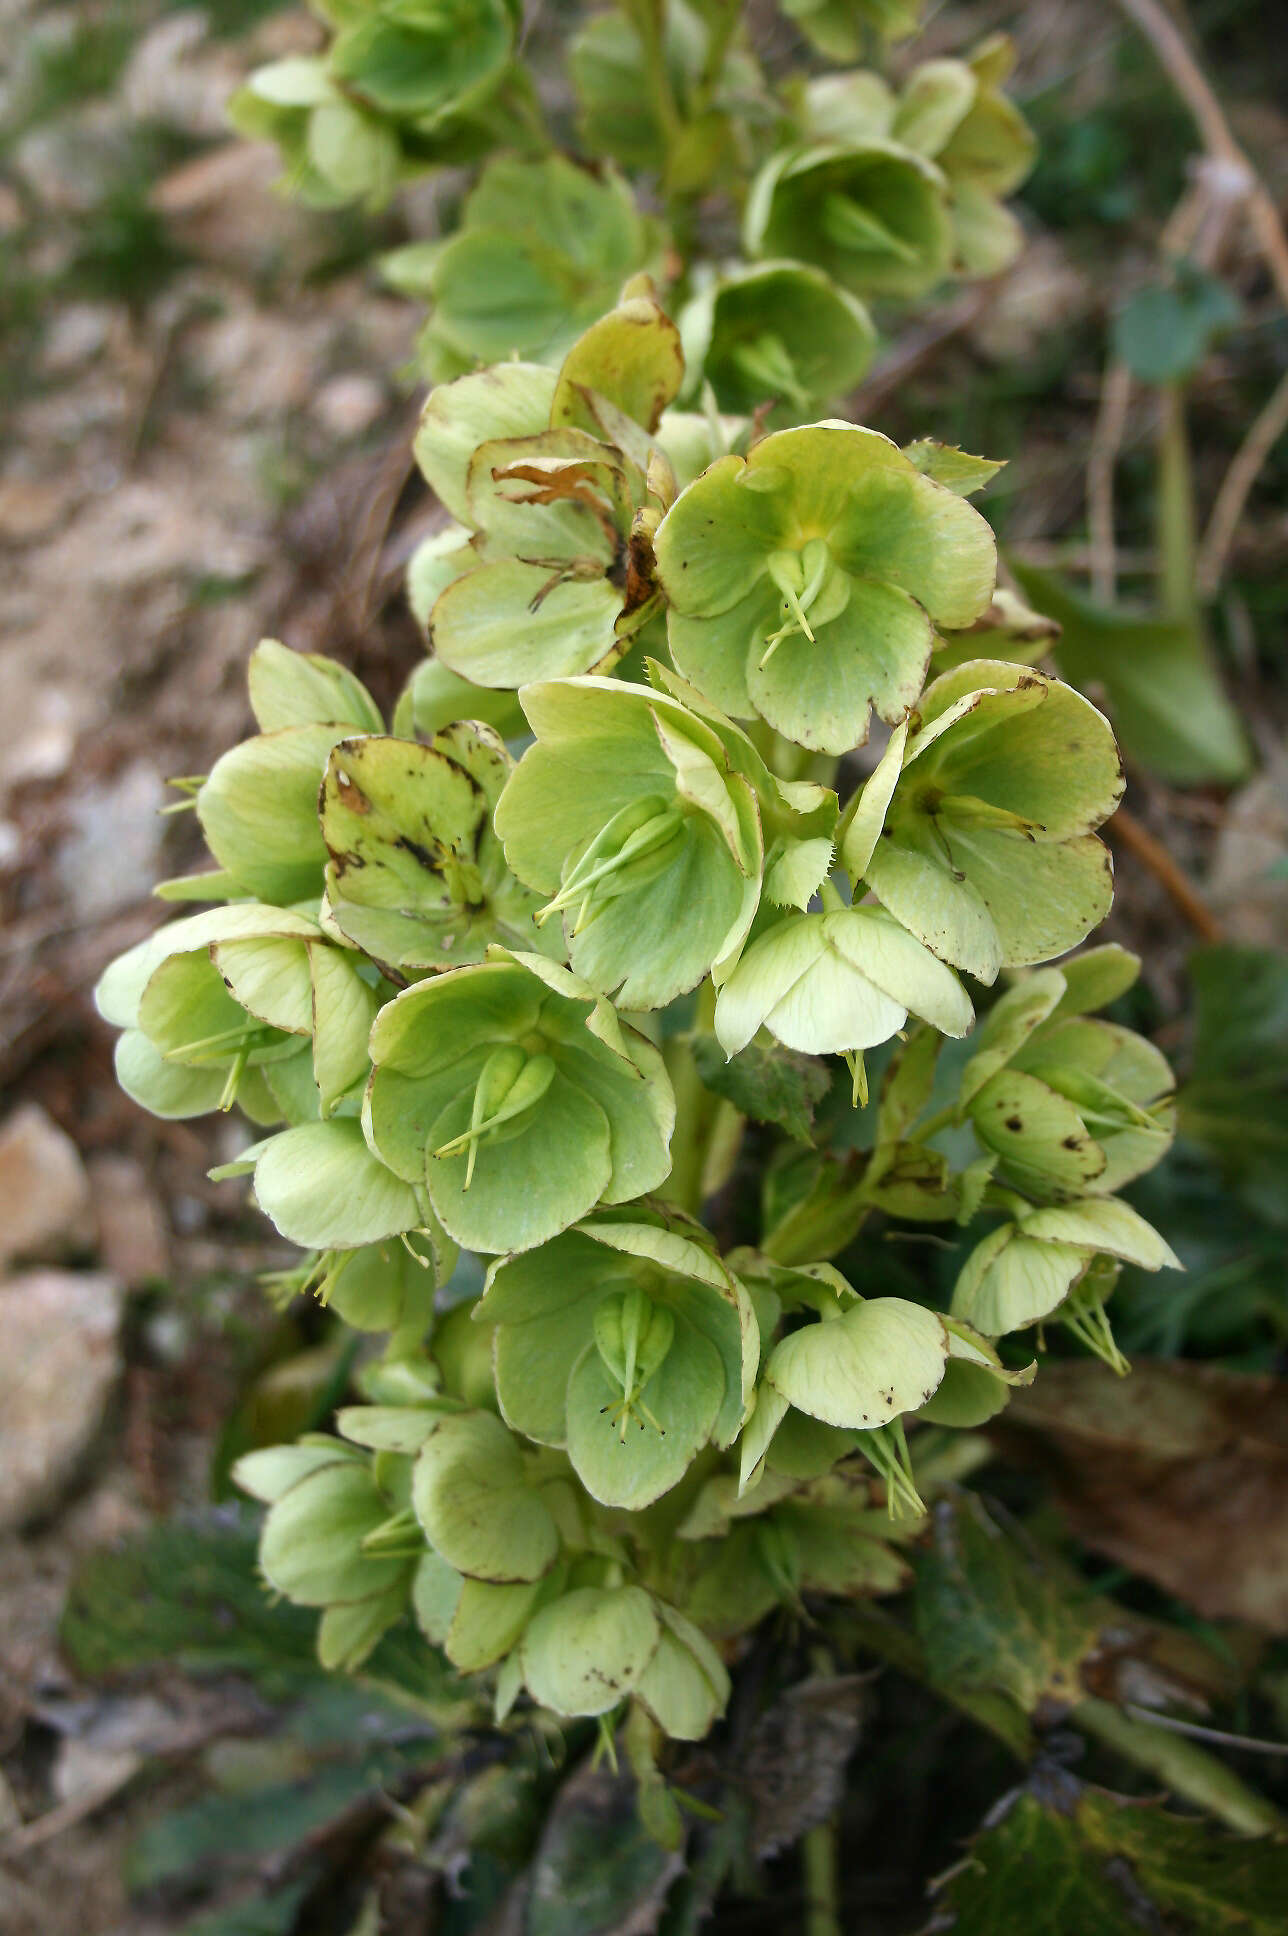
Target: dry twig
1106, 441
1267, 428
1151, 853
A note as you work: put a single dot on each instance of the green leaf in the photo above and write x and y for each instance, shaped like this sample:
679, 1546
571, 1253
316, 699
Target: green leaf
1163, 688
323, 1189
302, 688
597, 1867
767, 1082
956, 469
1164, 332
994, 1615
1062, 1857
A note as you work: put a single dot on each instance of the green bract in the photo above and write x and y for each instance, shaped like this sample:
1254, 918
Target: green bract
513, 1093
975, 829
776, 333
628, 1342
629, 814
423, 59
804, 581
559, 482
542, 249
873, 214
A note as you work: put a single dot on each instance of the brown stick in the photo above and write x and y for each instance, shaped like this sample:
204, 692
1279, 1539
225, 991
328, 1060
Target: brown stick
1151, 853
1266, 429
1106, 442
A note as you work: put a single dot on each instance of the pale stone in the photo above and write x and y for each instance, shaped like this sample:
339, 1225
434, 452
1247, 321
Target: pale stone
44, 1191
61, 1358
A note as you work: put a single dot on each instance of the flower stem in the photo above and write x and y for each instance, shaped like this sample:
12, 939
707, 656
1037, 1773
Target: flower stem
822, 1882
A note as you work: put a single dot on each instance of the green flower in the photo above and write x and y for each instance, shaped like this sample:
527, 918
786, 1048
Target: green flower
839, 28
242, 1004
258, 808
559, 481
872, 214
975, 829
595, 1645
775, 332
629, 813
417, 878
335, 1537
618, 114
513, 1093
334, 148
542, 250
629, 1343
423, 60
805, 580
1024, 1271
1072, 1106
955, 113
837, 983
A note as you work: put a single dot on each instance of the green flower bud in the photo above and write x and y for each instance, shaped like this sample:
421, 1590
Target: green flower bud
515, 1096
804, 579
872, 215
627, 1342
628, 815
975, 829
776, 333
839, 29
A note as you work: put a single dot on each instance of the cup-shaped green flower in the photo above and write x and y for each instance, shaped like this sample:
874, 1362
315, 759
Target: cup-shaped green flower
628, 815
629, 1343
333, 1538
872, 214
1022, 1272
512, 1091
837, 983
955, 113
334, 148
242, 1004
542, 249
975, 830
840, 28
562, 506
804, 581
417, 878
596, 1645
1072, 1105
423, 60
775, 333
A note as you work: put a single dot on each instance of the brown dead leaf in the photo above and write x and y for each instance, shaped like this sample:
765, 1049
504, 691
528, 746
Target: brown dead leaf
1179, 1472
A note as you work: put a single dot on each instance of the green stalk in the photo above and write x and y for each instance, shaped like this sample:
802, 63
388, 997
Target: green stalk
1176, 529
822, 1882
1188, 1770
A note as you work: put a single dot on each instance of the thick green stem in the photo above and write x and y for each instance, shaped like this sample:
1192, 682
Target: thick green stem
1177, 535
822, 1882
1187, 1770
696, 1110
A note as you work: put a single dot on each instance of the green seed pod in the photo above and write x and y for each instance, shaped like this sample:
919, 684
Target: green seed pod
775, 333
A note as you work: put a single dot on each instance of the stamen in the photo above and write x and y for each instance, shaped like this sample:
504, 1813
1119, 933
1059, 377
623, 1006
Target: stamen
886, 1447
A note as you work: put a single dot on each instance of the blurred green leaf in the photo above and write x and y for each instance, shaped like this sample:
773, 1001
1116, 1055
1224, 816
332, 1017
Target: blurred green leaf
598, 1872
271, 1915
1236, 1101
1165, 331
993, 1614
1162, 688
1064, 1858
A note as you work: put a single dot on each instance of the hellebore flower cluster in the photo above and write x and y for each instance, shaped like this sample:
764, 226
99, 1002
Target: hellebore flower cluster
514, 978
